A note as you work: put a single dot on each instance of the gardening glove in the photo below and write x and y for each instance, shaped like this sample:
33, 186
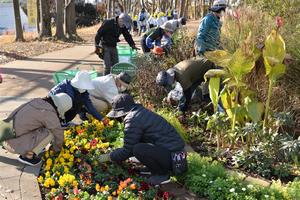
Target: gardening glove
104, 158
97, 50
105, 121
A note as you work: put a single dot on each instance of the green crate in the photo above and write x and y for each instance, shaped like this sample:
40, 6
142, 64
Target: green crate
124, 67
60, 76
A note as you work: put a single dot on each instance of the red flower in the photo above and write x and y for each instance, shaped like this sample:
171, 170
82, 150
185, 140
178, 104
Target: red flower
279, 22
75, 191
94, 142
166, 195
144, 186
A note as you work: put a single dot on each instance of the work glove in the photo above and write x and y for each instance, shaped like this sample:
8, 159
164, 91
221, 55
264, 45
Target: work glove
104, 158
97, 50
135, 48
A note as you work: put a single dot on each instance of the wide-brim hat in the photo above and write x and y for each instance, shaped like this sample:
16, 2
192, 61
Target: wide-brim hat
122, 104
63, 103
83, 81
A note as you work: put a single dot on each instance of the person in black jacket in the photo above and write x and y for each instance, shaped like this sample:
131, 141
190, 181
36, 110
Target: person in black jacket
148, 137
108, 36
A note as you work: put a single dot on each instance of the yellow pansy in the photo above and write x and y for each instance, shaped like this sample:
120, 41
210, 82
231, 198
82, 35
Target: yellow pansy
53, 190
98, 187
49, 162
75, 183
49, 182
47, 174
40, 179
87, 146
62, 160
66, 169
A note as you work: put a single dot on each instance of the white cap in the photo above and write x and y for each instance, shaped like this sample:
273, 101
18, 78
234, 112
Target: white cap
63, 103
83, 81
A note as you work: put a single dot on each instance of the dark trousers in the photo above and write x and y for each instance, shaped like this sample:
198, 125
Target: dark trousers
157, 159
110, 58
185, 101
144, 46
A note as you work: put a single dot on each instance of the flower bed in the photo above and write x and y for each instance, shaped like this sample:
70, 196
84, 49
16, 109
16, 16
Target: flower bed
75, 173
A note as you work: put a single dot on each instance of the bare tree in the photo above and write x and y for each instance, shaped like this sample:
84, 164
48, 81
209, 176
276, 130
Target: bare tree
18, 23
38, 18
182, 8
186, 9
45, 19
60, 19
109, 8
70, 24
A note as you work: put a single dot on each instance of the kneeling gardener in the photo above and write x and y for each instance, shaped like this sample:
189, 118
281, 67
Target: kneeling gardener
35, 124
148, 137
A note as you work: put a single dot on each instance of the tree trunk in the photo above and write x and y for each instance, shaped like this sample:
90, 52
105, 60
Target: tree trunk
60, 20
109, 8
175, 5
45, 19
70, 17
195, 9
38, 18
18, 23
186, 9
182, 8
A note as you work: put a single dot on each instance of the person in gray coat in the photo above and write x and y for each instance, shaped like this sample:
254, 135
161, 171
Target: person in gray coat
148, 137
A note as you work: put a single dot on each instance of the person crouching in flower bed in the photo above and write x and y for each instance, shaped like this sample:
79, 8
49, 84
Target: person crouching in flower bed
148, 137
33, 125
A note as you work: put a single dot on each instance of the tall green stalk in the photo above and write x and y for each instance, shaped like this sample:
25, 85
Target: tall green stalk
265, 123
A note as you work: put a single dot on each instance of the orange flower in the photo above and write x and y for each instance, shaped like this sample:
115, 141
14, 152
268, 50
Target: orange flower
109, 198
132, 186
114, 193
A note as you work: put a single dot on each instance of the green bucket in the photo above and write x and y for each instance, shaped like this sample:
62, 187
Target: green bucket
126, 54
60, 76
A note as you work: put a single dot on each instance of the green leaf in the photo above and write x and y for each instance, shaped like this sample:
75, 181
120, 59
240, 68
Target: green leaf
219, 57
274, 50
225, 98
254, 108
277, 71
214, 73
214, 88
240, 64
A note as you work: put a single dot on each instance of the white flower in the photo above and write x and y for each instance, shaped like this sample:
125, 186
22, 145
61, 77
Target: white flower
210, 181
244, 189
204, 175
267, 196
232, 190
219, 188
250, 186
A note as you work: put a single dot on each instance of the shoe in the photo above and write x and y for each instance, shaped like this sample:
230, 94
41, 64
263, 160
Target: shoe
32, 162
157, 180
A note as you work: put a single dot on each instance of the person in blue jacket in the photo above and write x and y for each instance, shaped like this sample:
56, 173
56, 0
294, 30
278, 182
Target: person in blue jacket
77, 90
154, 36
208, 36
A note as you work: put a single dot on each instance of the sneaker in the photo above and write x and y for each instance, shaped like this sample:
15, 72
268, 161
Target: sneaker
157, 180
32, 162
